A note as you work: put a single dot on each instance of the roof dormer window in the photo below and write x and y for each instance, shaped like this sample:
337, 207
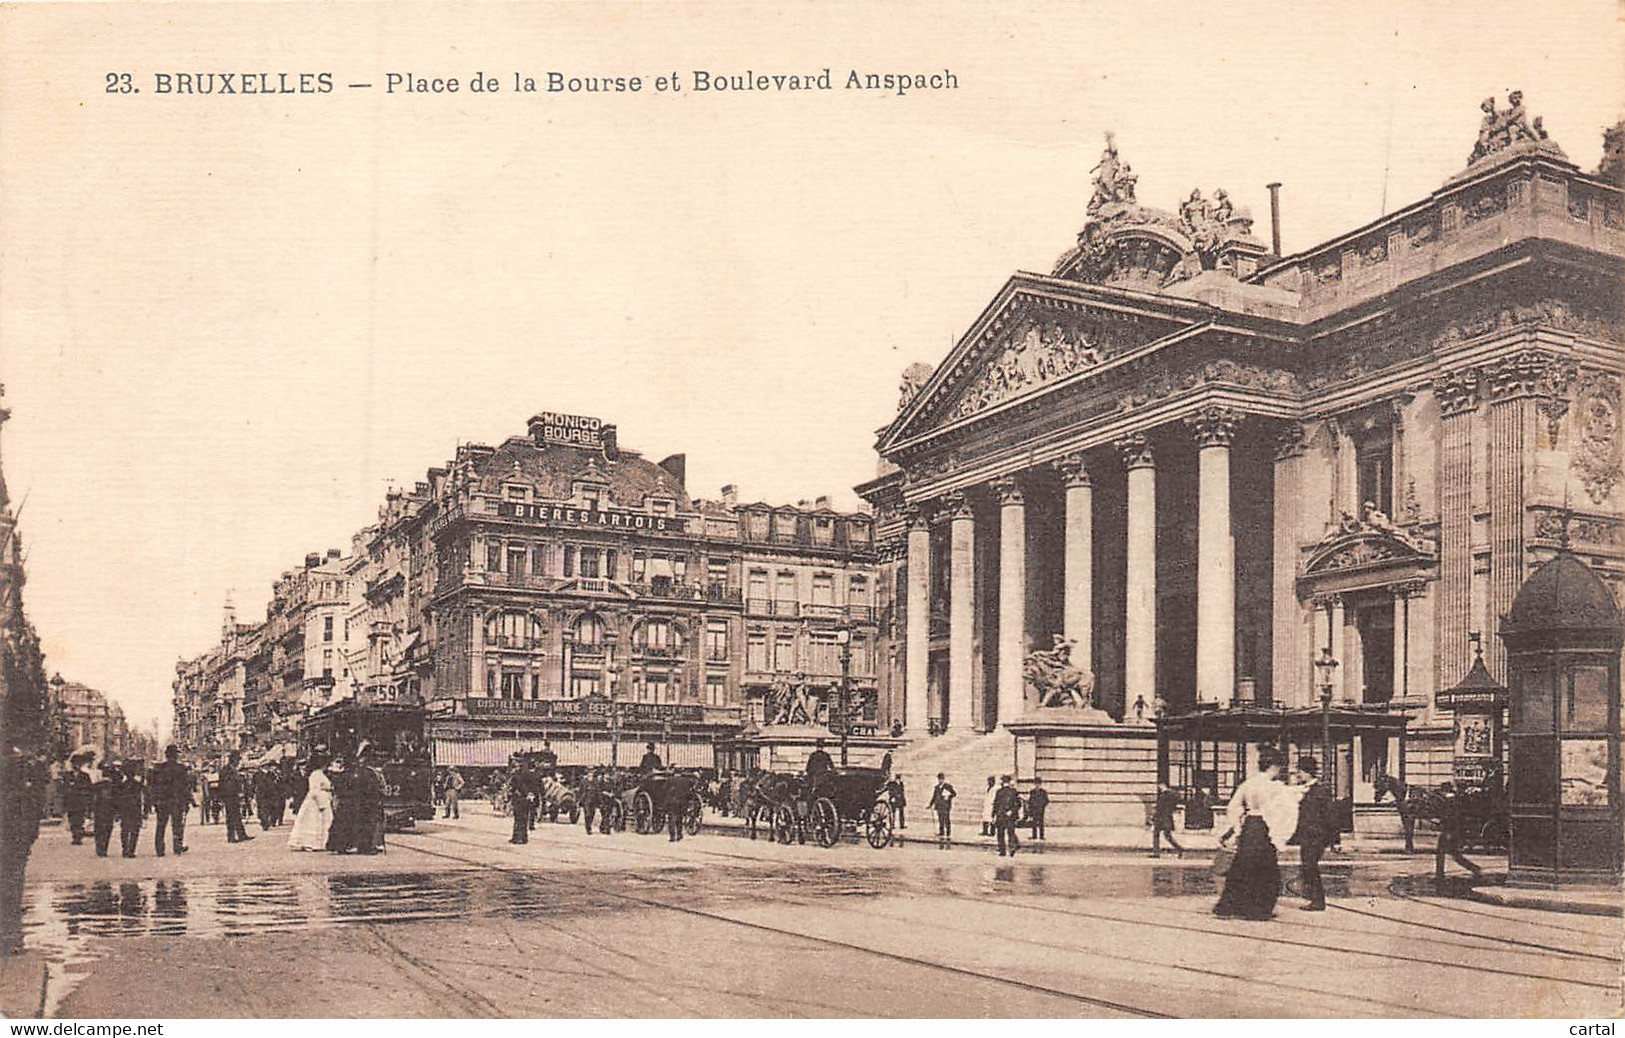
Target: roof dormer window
515, 492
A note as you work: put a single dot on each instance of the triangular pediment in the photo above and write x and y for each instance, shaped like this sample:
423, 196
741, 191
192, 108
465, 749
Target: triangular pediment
1036, 334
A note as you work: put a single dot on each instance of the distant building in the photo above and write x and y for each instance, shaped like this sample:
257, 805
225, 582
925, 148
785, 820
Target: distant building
79, 716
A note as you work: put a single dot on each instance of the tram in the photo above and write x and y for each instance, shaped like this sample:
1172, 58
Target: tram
394, 734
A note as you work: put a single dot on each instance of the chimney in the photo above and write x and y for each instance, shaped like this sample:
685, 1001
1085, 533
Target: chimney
612, 444
1275, 216
229, 623
802, 504
822, 501
730, 495
677, 465
334, 553
312, 560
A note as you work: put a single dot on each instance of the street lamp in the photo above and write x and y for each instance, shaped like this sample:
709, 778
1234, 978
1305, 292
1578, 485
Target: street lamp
1326, 666
611, 685
843, 638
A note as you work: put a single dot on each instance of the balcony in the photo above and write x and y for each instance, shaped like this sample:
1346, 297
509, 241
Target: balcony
759, 606
786, 607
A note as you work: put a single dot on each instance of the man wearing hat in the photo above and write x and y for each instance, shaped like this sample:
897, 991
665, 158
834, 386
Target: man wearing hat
651, 759
171, 794
1317, 828
231, 797
76, 795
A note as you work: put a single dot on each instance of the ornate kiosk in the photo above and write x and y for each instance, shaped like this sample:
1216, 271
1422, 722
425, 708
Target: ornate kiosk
1563, 638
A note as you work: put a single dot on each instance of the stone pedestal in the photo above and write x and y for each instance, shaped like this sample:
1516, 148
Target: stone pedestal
1097, 772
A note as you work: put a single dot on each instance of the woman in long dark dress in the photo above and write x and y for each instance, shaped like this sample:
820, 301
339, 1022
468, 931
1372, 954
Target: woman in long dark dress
1254, 880
341, 836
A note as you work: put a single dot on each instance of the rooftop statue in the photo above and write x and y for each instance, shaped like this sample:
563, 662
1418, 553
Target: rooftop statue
1113, 179
915, 376
1503, 129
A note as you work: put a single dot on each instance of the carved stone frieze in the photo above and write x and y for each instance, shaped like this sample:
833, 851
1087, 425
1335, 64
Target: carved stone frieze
1163, 384
1565, 527
1214, 426
1035, 355
1595, 445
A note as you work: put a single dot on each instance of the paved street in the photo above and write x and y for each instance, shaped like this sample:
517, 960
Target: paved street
454, 921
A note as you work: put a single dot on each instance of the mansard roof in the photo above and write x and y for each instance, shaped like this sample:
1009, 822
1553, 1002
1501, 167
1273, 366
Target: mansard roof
553, 470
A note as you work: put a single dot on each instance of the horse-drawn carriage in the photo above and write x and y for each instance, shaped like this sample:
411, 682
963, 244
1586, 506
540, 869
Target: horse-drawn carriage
645, 799
1478, 808
828, 806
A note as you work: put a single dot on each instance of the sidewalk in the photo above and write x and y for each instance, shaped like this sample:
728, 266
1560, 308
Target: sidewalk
1126, 838
22, 985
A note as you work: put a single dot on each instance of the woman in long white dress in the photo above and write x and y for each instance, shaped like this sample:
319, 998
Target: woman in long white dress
1263, 812
315, 815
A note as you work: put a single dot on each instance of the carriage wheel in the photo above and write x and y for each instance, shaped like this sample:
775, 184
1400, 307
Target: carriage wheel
879, 828
643, 812
692, 815
614, 817
826, 822
784, 823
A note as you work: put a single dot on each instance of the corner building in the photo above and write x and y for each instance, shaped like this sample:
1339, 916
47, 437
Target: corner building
1206, 465
579, 594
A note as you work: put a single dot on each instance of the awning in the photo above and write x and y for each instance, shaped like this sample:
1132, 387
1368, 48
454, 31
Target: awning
495, 752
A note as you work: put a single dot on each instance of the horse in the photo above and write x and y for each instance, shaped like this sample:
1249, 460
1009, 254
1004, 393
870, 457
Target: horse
1412, 802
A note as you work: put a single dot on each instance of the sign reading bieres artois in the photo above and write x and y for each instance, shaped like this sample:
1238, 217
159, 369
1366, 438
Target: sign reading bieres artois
609, 518
570, 430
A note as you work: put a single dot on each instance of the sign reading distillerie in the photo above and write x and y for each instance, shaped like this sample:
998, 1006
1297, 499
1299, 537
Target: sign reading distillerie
608, 518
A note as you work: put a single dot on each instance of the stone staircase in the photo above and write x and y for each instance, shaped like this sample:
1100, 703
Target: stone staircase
967, 757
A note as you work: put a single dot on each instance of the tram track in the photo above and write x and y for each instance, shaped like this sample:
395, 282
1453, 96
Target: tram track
717, 917
1515, 945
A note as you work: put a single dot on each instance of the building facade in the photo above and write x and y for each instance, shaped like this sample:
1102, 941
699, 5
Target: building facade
78, 716
560, 588
1205, 465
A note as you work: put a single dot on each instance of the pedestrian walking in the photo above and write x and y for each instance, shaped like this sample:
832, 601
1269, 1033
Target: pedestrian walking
897, 801
522, 800
988, 796
1253, 882
1006, 812
102, 809
942, 802
453, 793
1037, 805
368, 836
76, 795
130, 805
341, 831
314, 819
1162, 820
267, 794
171, 796
1316, 830
679, 788
231, 798
587, 797
1452, 833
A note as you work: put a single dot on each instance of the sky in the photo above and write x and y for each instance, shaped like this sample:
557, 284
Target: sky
228, 323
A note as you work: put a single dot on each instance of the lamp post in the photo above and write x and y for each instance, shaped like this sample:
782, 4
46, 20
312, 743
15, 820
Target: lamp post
611, 686
1326, 665
843, 637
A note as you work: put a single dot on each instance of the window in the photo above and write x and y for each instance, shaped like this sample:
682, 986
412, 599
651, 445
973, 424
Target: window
535, 686
657, 688
758, 583
716, 690
609, 563
327, 663
516, 560
327, 628
591, 496
716, 640
660, 636
1375, 461
756, 652
716, 572
538, 559
589, 562
823, 589
786, 586
585, 683
514, 493
824, 652
588, 631
640, 566
513, 684
513, 630
857, 590
569, 560
784, 652
493, 557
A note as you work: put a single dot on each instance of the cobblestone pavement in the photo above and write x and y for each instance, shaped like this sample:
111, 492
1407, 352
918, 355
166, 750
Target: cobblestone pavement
454, 921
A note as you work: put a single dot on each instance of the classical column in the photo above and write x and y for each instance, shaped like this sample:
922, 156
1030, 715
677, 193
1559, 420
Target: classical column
1338, 643
1078, 583
918, 636
1140, 634
1214, 428
1012, 598
961, 603
1290, 671
1457, 395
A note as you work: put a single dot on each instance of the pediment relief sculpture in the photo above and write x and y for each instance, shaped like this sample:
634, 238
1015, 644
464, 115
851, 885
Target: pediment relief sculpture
1035, 355
1371, 539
